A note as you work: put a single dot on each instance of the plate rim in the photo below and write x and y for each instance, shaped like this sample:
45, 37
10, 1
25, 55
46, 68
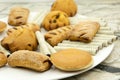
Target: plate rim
78, 72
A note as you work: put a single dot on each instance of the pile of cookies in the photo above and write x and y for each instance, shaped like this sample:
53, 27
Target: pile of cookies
23, 39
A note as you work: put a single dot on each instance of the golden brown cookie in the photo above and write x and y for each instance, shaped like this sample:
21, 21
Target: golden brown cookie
34, 27
71, 59
56, 36
84, 31
55, 19
67, 6
3, 59
2, 26
18, 16
29, 59
20, 38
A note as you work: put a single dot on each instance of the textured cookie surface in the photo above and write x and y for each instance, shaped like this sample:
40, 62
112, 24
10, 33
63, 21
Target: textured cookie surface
84, 31
29, 59
20, 38
18, 16
55, 19
67, 6
2, 26
56, 36
3, 59
34, 27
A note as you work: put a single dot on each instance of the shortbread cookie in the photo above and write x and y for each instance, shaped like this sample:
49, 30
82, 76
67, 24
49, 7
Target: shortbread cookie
71, 59
18, 16
20, 38
3, 59
55, 19
2, 26
29, 59
56, 36
67, 6
84, 31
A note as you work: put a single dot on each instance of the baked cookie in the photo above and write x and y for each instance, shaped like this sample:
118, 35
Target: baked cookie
55, 19
71, 59
18, 16
3, 59
56, 36
67, 6
34, 27
84, 31
20, 38
2, 26
29, 59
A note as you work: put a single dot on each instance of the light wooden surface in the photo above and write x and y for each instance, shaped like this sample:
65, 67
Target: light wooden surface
107, 9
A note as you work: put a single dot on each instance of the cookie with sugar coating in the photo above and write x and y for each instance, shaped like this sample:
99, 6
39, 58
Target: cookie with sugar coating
29, 59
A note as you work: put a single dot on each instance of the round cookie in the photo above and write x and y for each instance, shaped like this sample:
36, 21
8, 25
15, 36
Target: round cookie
55, 19
3, 59
2, 26
71, 59
67, 6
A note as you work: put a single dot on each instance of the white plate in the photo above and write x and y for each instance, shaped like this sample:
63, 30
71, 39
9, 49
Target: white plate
52, 74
